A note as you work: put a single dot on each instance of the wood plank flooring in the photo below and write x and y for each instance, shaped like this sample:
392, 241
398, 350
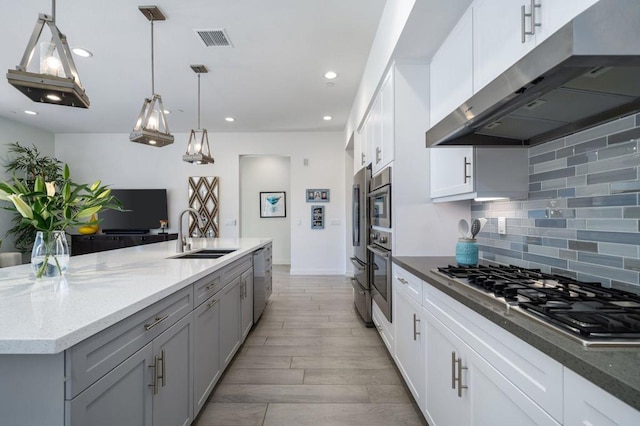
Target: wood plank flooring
311, 361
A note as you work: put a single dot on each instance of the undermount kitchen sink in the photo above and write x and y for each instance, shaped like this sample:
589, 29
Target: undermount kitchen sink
204, 254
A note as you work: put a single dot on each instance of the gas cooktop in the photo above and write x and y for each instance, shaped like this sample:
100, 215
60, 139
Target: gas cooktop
586, 312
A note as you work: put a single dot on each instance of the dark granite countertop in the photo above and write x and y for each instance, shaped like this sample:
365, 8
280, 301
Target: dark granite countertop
616, 370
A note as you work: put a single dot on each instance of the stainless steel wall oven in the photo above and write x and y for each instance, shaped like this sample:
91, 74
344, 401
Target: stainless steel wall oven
380, 199
380, 270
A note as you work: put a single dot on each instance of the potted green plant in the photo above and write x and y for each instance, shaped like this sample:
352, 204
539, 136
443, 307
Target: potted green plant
26, 163
50, 209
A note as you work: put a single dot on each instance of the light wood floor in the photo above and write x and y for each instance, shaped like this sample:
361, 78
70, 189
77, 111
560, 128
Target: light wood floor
311, 361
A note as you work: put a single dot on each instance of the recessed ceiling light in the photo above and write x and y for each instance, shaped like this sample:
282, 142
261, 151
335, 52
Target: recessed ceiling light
327, 117
82, 52
53, 97
330, 75
166, 111
230, 119
152, 142
30, 112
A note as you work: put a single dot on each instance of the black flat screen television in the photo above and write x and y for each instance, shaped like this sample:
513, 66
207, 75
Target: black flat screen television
146, 208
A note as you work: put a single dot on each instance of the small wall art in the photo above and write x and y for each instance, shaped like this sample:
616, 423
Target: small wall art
203, 196
273, 204
318, 195
317, 217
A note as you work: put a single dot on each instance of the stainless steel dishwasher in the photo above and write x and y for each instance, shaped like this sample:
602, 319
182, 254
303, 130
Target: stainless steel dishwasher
261, 281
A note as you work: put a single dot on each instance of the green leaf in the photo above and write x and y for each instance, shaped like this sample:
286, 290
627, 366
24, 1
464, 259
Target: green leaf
88, 212
66, 173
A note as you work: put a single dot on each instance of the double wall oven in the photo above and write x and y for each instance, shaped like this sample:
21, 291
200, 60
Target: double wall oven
379, 248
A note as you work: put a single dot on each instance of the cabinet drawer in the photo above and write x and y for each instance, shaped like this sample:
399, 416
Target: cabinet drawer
94, 357
230, 272
533, 372
206, 287
408, 283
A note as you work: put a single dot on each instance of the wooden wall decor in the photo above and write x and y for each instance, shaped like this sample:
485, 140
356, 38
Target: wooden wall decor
203, 196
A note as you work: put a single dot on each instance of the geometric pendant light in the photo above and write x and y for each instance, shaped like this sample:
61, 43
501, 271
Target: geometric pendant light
151, 128
198, 151
57, 81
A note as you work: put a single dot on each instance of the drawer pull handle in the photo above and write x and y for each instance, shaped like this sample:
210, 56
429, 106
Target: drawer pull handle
403, 281
465, 164
156, 322
453, 370
212, 285
459, 379
213, 302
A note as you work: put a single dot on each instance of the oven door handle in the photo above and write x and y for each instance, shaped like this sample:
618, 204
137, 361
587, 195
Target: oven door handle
359, 265
384, 189
357, 287
376, 251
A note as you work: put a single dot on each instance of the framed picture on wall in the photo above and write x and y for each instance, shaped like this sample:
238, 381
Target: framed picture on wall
317, 217
273, 204
318, 195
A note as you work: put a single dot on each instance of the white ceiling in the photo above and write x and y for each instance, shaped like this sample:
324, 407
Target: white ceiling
270, 80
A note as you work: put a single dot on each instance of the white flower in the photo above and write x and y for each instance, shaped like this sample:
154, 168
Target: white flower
51, 189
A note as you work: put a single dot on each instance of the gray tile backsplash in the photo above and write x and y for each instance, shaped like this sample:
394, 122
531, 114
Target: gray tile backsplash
582, 216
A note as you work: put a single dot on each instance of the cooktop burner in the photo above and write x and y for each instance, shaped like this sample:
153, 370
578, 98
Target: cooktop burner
588, 312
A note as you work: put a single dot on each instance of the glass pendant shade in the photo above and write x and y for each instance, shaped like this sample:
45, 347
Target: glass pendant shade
55, 81
198, 150
151, 127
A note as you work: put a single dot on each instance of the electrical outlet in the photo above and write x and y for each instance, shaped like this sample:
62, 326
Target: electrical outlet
502, 225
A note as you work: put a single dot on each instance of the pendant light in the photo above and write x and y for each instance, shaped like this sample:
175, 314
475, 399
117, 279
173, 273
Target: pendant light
151, 127
196, 152
57, 81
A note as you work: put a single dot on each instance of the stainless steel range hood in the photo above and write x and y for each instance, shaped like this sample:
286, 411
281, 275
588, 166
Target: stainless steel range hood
584, 75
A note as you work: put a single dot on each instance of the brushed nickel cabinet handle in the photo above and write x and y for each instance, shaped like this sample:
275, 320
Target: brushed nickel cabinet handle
210, 286
213, 302
363, 159
403, 281
163, 359
465, 164
532, 16
378, 154
154, 385
157, 321
416, 333
460, 385
453, 370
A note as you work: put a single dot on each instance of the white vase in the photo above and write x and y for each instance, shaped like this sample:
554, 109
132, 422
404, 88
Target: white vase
50, 254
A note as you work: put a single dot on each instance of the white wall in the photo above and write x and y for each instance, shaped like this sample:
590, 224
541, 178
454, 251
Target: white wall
10, 132
266, 174
123, 164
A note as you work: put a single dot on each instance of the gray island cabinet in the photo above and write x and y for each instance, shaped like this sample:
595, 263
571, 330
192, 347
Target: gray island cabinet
157, 366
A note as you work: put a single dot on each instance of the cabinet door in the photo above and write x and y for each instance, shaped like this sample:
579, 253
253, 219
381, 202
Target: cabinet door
443, 406
451, 70
387, 121
554, 14
173, 358
587, 404
409, 341
246, 296
497, 38
452, 171
229, 322
496, 401
206, 358
374, 134
125, 387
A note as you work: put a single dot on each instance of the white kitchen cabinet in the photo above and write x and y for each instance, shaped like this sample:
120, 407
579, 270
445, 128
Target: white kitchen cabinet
462, 388
498, 31
451, 70
206, 357
384, 145
462, 173
246, 302
384, 327
587, 404
409, 340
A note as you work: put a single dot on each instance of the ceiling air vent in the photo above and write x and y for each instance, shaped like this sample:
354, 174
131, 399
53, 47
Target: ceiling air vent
214, 37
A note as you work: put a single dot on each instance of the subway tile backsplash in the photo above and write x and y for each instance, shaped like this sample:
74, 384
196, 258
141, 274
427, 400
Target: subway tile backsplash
582, 216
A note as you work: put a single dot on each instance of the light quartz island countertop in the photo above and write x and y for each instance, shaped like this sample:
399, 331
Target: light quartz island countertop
50, 315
